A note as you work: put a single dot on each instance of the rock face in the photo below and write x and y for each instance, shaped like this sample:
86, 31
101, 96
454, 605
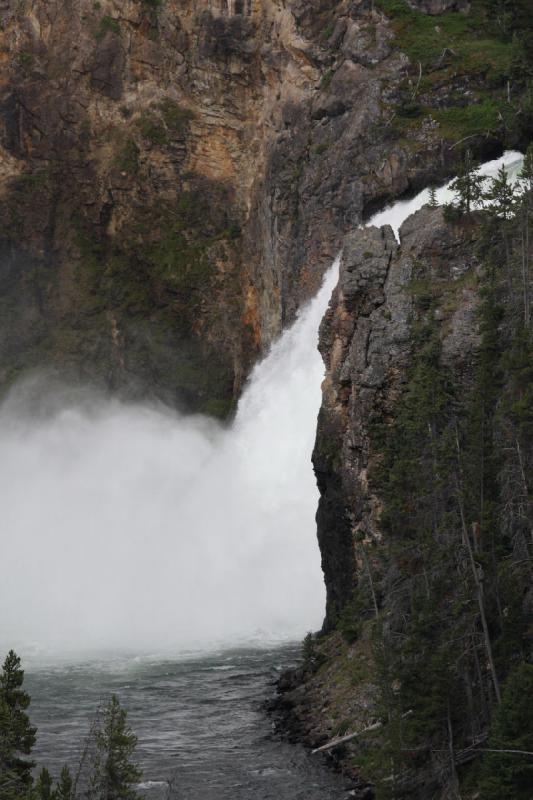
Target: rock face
366, 343
366, 340
176, 176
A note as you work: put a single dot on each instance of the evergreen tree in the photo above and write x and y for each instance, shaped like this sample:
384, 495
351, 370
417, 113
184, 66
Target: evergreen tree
510, 775
64, 788
502, 12
433, 202
114, 774
501, 196
468, 186
17, 736
43, 788
525, 176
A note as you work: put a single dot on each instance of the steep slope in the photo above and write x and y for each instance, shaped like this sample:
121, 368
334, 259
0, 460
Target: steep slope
175, 176
424, 463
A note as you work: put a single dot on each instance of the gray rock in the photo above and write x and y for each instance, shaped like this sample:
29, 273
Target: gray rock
367, 346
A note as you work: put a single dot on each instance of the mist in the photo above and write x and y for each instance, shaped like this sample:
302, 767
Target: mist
131, 527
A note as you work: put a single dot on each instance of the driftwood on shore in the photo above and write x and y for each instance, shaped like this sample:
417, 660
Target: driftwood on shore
342, 739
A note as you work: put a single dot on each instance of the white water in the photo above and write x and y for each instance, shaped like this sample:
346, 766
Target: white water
132, 527
396, 214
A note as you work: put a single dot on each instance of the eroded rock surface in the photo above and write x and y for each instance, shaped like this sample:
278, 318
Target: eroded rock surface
366, 342
366, 339
176, 176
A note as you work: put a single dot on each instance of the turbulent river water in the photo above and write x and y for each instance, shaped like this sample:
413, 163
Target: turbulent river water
140, 531
199, 719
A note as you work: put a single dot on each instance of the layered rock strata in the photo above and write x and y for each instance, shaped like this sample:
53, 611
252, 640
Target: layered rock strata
176, 176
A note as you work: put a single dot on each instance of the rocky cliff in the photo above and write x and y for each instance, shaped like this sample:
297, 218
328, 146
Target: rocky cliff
367, 344
175, 176
424, 462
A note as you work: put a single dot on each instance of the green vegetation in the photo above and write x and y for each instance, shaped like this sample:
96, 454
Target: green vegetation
111, 773
468, 42
151, 128
128, 159
107, 25
467, 121
25, 59
489, 48
153, 277
506, 773
17, 736
171, 121
468, 186
137, 318
175, 116
326, 79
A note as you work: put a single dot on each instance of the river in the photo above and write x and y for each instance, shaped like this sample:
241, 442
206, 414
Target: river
199, 719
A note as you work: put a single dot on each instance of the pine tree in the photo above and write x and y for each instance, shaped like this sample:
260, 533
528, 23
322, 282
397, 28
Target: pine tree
114, 774
64, 788
43, 788
525, 176
468, 186
501, 196
510, 774
17, 736
433, 202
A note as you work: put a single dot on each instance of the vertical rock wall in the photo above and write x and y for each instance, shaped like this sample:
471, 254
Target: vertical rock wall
176, 176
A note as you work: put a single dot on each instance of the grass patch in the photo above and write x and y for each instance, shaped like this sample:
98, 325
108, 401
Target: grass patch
449, 48
466, 41
469, 120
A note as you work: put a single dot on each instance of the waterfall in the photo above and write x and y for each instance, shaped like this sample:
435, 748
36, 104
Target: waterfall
131, 527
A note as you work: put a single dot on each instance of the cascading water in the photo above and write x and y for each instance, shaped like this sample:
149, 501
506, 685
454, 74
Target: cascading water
132, 527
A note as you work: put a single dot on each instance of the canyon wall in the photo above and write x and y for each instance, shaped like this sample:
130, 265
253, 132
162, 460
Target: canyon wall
176, 176
424, 461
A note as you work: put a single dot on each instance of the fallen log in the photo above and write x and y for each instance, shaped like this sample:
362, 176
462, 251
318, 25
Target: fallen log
342, 739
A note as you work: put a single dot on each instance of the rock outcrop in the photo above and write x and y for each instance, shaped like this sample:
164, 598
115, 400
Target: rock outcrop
176, 176
366, 340
366, 343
